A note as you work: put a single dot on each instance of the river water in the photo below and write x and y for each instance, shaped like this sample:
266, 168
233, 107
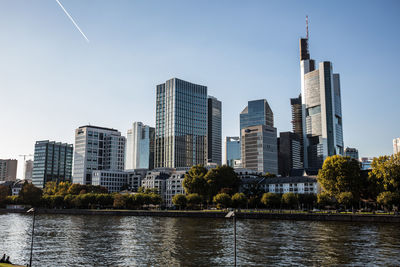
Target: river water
79, 240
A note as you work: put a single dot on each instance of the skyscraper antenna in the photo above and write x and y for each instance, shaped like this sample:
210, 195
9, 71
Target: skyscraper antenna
307, 25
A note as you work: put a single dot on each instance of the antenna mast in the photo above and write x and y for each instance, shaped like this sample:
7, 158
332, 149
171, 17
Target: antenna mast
307, 25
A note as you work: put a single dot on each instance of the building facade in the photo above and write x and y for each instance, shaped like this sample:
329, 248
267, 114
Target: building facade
52, 162
232, 150
139, 149
97, 148
28, 169
116, 181
214, 130
289, 153
321, 110
181, 124
257, 112
396, 145
297, 122
8, 169
259, 148
351, 152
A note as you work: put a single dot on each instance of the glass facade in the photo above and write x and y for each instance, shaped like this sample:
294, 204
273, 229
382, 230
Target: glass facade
52, 162
181, 124
214, 141
232, 150
97, 148
257, 112
139, 152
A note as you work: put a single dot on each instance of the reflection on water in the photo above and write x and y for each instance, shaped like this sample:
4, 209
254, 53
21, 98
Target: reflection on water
78, 240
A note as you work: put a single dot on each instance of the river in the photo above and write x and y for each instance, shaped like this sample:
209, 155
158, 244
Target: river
82, 240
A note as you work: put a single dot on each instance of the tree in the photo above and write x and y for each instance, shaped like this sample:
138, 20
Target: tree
75, 189
340, 174
30, 194
104, 200
179, 200
239, 200
139, 199
307, 200
269, 175
388, 199
119, 201
222, 200
68, 201
289, 200
323, 200
222, 177
346, 199
193, 200
50, 188
271, 200
195, 182
386, 170
4, 192
155, 199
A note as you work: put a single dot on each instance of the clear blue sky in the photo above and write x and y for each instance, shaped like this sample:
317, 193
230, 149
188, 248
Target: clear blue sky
52, 80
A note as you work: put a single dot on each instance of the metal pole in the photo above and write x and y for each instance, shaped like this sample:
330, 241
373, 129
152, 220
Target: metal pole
33, 231
234, 233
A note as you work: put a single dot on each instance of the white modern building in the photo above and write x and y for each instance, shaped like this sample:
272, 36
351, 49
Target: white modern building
96, 148
139, 149
396, 145
116, 181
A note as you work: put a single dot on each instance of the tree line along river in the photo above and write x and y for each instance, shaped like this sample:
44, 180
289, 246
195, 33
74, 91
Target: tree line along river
82, 240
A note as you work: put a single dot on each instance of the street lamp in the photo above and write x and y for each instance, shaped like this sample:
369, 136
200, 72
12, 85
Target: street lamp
232, 214
33, 230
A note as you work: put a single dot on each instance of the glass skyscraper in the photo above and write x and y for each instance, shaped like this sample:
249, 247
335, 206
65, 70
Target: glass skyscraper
321, 110
232, 150
52, 162
257, 112
139, 149
97, 148
181, 124
214, 137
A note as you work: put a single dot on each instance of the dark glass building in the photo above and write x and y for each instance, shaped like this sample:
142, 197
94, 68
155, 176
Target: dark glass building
52, 162
289, 153
232, 150
214, 129
257, 112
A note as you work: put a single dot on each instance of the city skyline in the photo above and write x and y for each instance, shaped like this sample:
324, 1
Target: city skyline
132, 79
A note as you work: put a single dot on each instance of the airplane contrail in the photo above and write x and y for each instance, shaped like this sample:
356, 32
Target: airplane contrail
73, 21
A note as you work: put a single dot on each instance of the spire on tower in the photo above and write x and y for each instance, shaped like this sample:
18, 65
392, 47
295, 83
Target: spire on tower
307, 25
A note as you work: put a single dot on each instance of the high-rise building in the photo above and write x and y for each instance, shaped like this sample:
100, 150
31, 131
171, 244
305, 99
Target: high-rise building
232, 150
297, 123
8, 169
96, 148
351, 152
214, 131
396, 145
52, 162
257, 112
259, 148
289, 153
321, 109
181, 124
139, 149
28, 169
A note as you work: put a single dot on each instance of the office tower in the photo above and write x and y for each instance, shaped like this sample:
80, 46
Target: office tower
139, 149
232, 150
96, 148
297, 123
396, 145
259, 148
321, 109
52, 162
214, 131
351, 152
8, 169
181, 124
28, 169
257, 112
289, 153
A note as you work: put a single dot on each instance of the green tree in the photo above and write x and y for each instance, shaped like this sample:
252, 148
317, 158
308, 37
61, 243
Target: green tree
50, 188
104, 200
271, 200
193, 200
155, 199
30, 195
195, 182
388, 199
75, 189
324, 199
4, 192
340, 174
68, 201
13, 200
222, 177
269, 175
179, 200
139, 199
346, 199
307, 200
119, 201
386, 170
222, 200
289, 200
239, 200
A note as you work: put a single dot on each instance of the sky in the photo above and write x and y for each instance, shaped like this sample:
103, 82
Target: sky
52, 80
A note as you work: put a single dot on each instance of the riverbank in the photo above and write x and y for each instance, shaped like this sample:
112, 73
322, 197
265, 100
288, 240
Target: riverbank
270, 215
